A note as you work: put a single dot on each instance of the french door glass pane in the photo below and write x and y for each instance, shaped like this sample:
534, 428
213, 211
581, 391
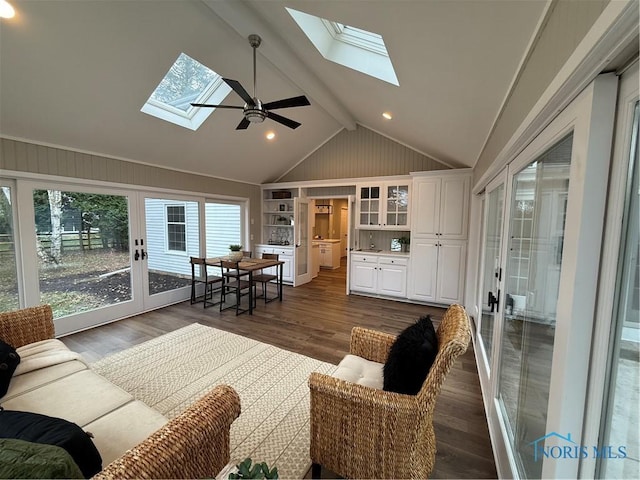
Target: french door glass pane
172, 236
536, 226
621, 425
491, 272
82, 240
223, 227
9, 298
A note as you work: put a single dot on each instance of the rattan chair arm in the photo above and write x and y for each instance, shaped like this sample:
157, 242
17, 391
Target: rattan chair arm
195, 444
379, 404
359, 431
28, 325
371, 344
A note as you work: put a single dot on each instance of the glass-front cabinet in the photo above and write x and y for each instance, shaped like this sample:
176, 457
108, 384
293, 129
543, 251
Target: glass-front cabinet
383, 205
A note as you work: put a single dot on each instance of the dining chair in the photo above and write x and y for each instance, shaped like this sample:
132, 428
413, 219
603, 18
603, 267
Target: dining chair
266, 278
234, 281
212, 283
246, 254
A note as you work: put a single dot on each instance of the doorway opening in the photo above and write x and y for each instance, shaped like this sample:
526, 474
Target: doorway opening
332, 234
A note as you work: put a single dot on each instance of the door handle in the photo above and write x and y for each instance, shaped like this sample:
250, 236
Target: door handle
491, 301
144, 254
136, 256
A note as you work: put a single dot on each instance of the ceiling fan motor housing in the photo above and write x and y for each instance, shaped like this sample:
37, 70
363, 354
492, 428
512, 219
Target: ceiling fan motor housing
255, 113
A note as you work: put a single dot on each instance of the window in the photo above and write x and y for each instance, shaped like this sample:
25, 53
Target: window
186, 82
349, 46
176, 228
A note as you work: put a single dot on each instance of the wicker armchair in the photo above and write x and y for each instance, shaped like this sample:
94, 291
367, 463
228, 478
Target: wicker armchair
195, 444
363, 432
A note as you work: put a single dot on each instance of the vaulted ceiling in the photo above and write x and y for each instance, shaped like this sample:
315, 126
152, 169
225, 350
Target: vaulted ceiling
76, 73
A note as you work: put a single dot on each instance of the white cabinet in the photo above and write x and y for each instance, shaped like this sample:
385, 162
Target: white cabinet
285, 254
329, 254
383, 205
382, 275
437, 270
392, 276
441, 206
363, 275
440, 203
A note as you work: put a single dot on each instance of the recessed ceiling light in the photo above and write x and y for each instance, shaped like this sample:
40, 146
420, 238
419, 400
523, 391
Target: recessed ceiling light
387, 115
6, 10
270, 135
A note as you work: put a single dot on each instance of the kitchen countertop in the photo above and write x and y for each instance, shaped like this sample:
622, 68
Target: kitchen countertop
381, 252
326, 240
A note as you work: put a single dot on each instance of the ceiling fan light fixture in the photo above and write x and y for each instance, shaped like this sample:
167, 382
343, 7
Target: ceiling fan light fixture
254, 115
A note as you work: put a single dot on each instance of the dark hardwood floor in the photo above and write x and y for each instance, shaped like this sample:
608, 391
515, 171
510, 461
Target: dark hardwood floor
316, 320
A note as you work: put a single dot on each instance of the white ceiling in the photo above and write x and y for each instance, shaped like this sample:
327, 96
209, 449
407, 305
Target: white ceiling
76, 74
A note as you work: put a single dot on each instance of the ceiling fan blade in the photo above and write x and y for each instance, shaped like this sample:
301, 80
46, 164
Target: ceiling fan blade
243, 124
300, 101
215, 106
239, 89
283, 120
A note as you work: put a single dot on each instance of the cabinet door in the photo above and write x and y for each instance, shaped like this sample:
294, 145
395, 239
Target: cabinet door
454, 200
451, 262
423, 269
426, 206
392, 280
396, 206
363, 277
369, 206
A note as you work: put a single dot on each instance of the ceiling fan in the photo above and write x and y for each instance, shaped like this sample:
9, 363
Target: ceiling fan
254, 110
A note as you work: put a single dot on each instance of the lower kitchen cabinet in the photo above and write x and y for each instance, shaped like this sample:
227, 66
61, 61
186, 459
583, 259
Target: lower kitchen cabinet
379, 274
437, 270
285, 254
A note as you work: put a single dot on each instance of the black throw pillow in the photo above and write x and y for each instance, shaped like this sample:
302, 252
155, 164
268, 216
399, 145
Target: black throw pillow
411, 357
33, 427
9, 360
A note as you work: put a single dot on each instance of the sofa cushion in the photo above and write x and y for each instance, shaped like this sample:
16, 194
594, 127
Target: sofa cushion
124, 428
80, 398
359, 370
410, 358
9, 360
40, 355
33, 427
21, 459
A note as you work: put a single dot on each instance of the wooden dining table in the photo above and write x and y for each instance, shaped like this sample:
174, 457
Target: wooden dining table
251, 265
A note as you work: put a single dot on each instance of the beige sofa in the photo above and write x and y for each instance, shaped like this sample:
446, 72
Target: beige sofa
134, 440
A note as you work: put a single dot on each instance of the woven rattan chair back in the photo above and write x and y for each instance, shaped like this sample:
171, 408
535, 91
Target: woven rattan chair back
454, 335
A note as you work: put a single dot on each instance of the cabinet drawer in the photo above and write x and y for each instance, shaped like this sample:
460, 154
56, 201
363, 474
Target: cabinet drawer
393, 261
363, 258
284, 252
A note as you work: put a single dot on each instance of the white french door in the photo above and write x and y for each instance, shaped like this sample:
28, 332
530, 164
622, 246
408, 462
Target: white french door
302, 242
492, 282
538, 283
98, 254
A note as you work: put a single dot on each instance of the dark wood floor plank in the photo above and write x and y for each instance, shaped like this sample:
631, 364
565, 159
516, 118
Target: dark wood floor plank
316, 320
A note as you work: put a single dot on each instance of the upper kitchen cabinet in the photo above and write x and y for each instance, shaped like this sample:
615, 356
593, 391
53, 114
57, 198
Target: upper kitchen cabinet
384, 205
441, 203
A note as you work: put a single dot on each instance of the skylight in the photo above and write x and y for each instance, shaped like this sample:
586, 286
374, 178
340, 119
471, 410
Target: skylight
186, 82
349, 46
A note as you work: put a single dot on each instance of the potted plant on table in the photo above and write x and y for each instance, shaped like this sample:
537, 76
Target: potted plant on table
235, 253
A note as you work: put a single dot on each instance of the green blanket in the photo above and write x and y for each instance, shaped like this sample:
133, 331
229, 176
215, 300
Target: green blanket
20, 459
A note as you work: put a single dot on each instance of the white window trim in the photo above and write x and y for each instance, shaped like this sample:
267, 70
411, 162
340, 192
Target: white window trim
166, 229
